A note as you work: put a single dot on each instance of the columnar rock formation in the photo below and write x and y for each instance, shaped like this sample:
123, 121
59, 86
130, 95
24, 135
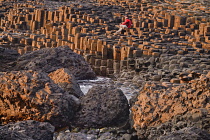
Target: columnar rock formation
168, 48
159, 26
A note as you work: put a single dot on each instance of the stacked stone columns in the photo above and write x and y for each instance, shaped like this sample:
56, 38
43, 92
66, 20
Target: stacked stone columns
88, 30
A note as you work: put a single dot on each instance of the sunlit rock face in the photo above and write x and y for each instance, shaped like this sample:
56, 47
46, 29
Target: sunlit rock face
33, 95
159, 108
66, 81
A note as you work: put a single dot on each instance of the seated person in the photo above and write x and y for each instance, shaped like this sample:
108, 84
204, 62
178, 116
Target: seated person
125, 25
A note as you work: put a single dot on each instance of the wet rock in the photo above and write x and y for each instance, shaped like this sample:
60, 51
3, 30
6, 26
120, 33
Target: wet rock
66, 81
102, 107
74, 136
126, 137
27, 130
188, 133
51, 59
107, 136
92, 134
33, 95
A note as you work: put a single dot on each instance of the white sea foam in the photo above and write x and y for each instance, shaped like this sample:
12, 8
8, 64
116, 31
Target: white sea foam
85, 85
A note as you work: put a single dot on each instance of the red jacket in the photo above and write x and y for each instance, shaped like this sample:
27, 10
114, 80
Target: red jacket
127, 22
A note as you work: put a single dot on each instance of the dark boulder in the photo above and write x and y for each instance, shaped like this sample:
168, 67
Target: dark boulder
50, 59
7, 57
102, 107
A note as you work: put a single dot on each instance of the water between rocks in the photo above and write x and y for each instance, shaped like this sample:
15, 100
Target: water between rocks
127, 88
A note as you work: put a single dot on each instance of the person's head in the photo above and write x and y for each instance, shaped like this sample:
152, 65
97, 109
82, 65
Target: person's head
126, 16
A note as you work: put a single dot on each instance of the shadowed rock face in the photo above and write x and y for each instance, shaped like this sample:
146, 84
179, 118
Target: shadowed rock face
33, 95
7, 56
160, 109
28, 130
51, 59
102, 107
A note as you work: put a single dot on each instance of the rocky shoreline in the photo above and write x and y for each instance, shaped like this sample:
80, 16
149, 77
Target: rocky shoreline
103, 113
46, 47
51, 94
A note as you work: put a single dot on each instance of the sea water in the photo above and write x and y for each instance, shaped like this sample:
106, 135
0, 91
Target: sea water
85, 85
